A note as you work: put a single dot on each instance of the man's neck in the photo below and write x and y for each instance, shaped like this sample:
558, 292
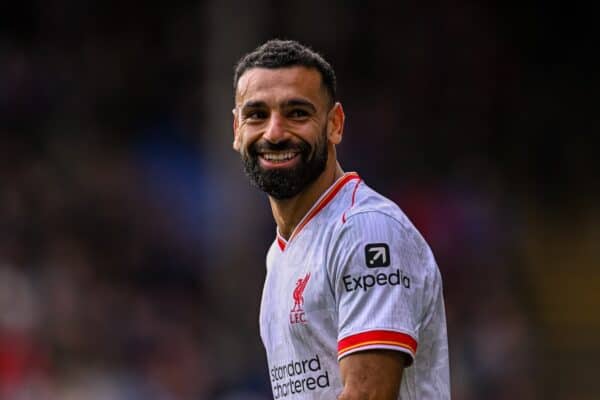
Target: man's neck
288, 213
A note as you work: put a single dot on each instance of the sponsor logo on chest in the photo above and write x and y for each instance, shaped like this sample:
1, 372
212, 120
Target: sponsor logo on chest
298, 377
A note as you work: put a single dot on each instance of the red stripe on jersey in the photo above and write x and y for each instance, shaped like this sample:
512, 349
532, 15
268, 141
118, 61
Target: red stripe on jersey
281, 243
353, 200
326, 200
375, 338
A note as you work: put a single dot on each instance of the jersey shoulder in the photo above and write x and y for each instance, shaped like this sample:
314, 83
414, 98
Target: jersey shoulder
372, 216
380, 208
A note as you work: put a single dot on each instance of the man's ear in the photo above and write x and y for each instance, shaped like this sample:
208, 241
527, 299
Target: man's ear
236, 136
335, 123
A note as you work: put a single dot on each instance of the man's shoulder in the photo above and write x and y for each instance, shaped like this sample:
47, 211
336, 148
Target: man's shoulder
374, 215
370, 204
376, 233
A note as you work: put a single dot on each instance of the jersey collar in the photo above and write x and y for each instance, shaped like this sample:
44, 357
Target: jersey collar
320, 204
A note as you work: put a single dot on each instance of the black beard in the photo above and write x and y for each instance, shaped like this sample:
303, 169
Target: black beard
285, 183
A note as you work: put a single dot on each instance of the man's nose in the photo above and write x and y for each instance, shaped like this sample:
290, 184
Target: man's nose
275, 129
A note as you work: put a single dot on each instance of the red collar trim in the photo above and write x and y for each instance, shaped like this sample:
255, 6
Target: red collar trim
318, 206
281, 241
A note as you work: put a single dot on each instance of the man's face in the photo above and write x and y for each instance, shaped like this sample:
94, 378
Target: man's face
281, 128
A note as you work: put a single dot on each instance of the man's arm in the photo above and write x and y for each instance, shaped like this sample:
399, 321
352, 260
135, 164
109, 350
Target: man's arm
372, 375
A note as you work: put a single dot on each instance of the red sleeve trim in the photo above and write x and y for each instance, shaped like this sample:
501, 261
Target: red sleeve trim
377, 339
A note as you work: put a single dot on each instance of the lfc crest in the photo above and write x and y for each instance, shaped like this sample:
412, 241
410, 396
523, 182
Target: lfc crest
297, 315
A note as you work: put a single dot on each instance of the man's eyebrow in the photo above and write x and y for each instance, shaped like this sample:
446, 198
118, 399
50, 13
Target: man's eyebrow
285, 104
299, 102
254, 104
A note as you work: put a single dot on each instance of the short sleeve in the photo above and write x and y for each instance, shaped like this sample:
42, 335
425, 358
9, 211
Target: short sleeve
382, 275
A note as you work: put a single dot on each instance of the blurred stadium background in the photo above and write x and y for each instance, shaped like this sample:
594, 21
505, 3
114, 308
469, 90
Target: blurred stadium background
132, 246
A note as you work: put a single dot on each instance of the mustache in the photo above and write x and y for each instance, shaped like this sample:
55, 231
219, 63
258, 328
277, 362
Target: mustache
265, 146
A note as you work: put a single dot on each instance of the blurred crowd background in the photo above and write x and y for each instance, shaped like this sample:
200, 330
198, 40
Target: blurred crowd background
132, 246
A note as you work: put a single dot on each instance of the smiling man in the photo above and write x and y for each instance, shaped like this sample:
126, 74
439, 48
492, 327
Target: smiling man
352, 306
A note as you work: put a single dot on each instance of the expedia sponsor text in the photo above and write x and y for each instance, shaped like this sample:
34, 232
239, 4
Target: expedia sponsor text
368, 281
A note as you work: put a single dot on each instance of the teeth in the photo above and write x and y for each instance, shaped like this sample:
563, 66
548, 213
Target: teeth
279, 156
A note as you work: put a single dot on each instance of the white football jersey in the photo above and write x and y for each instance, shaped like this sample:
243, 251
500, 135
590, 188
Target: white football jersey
354, 275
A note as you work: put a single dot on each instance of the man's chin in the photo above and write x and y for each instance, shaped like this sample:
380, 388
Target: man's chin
280, 188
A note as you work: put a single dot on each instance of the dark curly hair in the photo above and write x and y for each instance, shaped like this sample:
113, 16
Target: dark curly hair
286, 53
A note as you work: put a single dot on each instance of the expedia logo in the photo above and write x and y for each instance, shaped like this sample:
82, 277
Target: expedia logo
377, 255
368, 281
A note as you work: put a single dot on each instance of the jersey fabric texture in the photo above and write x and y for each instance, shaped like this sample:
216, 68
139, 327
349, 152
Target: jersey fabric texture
354, 275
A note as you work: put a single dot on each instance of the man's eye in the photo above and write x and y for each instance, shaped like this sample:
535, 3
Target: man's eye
298, 113
255, 115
